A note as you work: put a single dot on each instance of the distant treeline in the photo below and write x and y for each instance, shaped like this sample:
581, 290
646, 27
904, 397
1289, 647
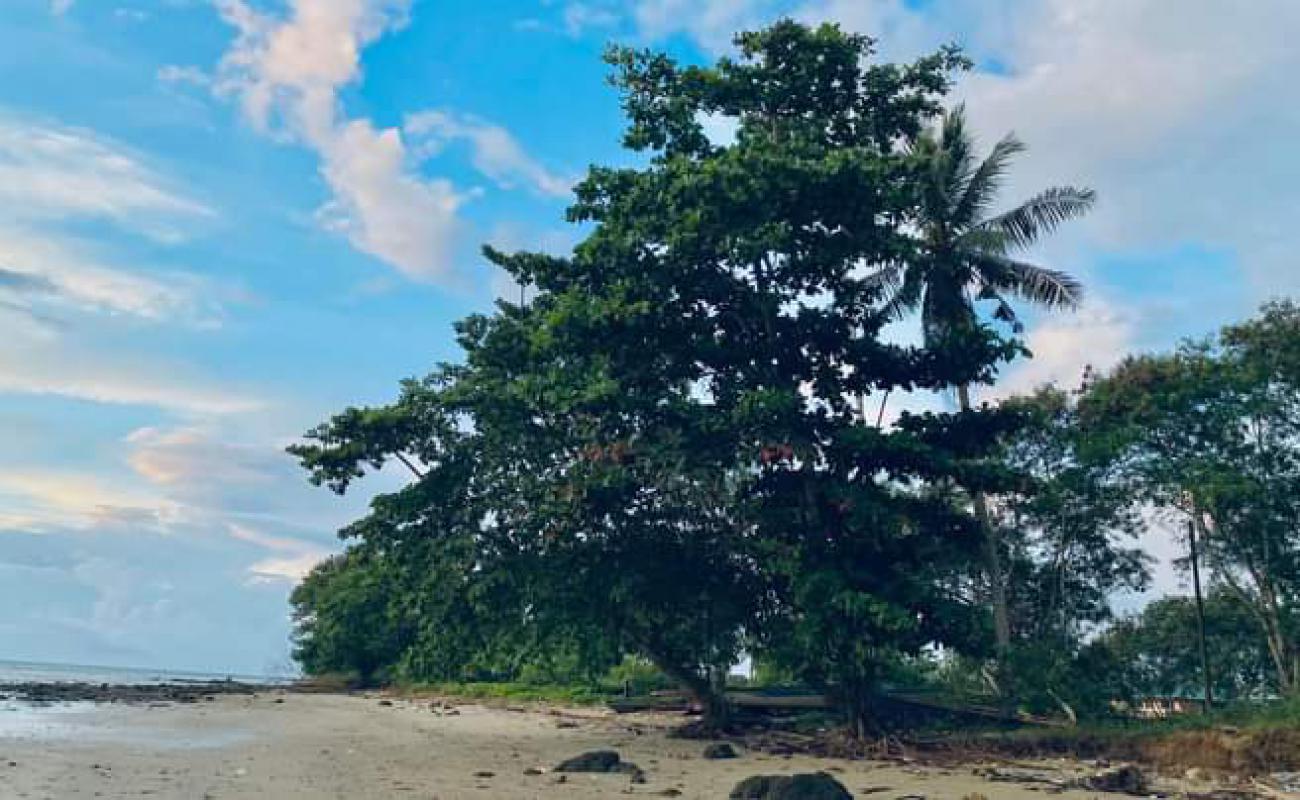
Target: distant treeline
681, 449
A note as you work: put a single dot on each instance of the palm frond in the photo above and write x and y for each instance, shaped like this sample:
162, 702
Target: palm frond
1041, 214
905, 299
1042, 286
983, 240
986, 181
886, 278
958, 162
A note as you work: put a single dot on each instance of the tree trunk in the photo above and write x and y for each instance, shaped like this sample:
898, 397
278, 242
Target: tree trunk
1284, 657
859, 707
712, 700
992, 546
1206, 675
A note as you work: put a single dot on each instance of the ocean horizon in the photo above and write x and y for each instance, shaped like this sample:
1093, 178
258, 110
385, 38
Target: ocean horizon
13, 672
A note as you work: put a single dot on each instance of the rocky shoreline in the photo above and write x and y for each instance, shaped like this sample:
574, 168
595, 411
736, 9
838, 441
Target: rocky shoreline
170, 692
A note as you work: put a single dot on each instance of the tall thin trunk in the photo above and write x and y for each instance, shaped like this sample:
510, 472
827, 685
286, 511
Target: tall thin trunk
880, 417
993, 568
1200, 618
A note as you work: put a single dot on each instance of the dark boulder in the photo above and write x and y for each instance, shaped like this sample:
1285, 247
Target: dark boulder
602, 761
720, 750
809, 786
594, 761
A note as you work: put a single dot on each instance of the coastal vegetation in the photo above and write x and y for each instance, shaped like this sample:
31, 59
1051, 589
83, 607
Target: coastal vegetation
672, 454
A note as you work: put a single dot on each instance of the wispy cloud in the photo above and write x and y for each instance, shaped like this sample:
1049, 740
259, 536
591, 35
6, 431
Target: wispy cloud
41, 367
1065, 345
38, 500
50, 172
495, 152
712, 23
52, 272
289, 560
177, 74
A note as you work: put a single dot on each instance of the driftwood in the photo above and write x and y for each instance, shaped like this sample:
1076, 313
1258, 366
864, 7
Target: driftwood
756, 701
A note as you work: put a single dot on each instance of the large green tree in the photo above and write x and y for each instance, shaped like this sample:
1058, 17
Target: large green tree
1069, 538
969, 254
659, 448
1212, 433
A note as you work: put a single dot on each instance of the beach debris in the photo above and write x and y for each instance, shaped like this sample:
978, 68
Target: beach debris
385, 702
719, 750
606, 761
806, 786
483, 773
534, 771
565, 723
1126, 779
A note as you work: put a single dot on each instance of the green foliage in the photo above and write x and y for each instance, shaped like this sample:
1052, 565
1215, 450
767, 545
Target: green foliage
639, 675
344, 620
1211, 433
1158, 650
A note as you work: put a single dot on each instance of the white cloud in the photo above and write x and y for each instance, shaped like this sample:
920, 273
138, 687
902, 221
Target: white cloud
177, 74
383, 207
41, 367
60, 7
50, 173
39, 499
46, 271
287, 73
712, 23
581, 17
292, 559
1064, 346
194, 457
496, 153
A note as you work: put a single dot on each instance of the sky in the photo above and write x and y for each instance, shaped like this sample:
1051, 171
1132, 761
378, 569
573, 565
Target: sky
223, 220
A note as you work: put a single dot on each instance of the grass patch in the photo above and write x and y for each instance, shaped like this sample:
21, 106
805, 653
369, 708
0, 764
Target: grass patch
525, 692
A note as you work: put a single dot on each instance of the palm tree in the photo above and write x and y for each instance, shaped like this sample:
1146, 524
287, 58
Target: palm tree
969, 255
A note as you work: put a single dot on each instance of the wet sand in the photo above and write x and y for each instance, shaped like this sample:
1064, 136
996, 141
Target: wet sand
332, 746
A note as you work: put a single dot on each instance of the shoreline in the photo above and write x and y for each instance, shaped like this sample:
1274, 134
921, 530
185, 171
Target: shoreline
284, 744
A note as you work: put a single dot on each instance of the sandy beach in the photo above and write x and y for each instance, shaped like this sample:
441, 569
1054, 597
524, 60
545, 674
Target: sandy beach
275, 745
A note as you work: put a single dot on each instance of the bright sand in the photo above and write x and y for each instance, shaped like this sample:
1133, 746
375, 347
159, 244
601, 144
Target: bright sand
331, 746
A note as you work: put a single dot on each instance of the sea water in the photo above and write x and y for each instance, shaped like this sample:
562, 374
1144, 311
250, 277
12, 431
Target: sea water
85, 721
35, 672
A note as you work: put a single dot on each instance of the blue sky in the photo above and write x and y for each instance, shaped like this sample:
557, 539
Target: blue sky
220, 220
